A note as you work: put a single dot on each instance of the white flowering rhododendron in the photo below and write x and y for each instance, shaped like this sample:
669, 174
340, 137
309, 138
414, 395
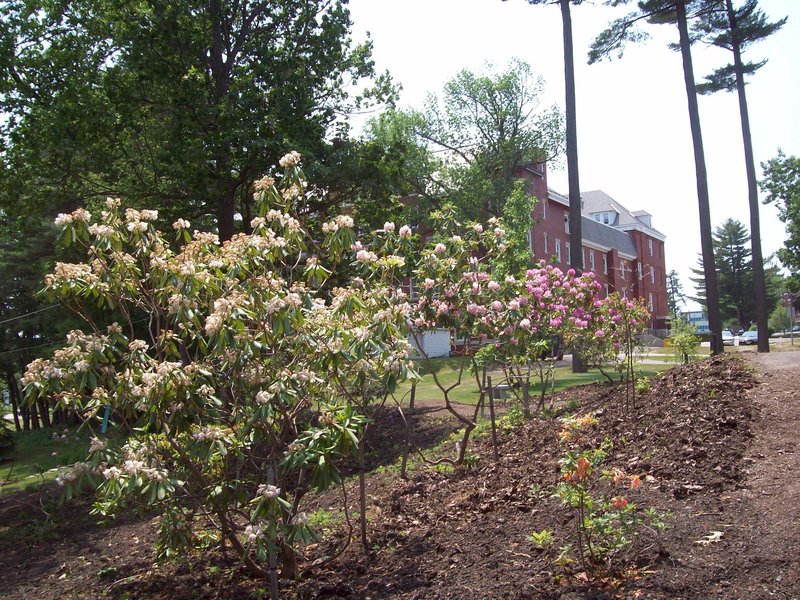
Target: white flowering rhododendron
229, 367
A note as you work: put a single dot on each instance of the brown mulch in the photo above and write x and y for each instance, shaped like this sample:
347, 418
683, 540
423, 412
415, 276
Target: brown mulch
713, 440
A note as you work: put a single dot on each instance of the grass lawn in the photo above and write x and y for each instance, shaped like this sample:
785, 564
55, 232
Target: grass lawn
447, 369
36, 457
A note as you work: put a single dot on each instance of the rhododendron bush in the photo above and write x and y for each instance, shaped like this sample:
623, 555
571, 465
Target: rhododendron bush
236, 392
242, 373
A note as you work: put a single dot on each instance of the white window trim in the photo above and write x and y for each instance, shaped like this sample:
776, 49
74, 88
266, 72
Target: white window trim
568, 254
591, 260
566, 222
558, 250
605, 264
652, 274
546, 250
650, 246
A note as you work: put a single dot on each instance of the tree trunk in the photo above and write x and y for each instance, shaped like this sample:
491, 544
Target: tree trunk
362, 492
44, 412
575, 229
224, 189
759, 284
34, 413
12, 396
706, 242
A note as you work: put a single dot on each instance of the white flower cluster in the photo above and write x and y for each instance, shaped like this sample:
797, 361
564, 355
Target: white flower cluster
253, 533
342, 221
40, 370
101, 231
72, 474
223, 307
138, 345
209, 433
263, 184
71, 273
181, 224
268, 491
300, 519
78, 215
292, 159
177, 302
365, 256
286, 220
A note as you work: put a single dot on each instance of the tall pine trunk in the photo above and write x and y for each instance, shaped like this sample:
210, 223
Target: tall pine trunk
759, 284
706, 242
575, 229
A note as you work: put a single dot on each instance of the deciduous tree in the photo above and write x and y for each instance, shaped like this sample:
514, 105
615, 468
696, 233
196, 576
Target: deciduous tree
781, 183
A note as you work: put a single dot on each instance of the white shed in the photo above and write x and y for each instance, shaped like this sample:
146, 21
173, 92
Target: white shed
432, 343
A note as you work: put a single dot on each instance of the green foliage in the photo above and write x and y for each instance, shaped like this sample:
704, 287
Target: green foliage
780, 320
516, 257
684, 341
542, 539
714, 28
488, 126
608, 524
734, 268
781, 184
176, 103
676, 298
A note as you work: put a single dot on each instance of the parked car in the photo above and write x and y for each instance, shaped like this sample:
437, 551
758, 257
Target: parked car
727, 338
748, 337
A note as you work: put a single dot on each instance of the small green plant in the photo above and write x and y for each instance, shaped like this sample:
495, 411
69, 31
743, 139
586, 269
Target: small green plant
472, 461
512, 419
573, 404
107, 571
542, 539
684, 341
607, 522
642, 385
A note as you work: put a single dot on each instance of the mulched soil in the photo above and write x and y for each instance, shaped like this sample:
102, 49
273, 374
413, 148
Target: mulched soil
713, 442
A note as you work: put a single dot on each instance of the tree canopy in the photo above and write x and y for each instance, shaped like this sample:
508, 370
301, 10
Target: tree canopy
734, 267
483, 127
179, 104
781, 183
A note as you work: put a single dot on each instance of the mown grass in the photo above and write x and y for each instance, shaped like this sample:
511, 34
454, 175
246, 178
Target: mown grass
468, 392
36, 457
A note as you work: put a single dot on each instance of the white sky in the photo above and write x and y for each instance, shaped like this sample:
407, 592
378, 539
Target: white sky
634, 141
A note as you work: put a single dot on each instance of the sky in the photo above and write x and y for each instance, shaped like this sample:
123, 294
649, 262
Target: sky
634, 140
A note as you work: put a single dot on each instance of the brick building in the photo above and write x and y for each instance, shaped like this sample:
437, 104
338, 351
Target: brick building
621, 247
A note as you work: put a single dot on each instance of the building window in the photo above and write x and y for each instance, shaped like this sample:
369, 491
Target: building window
530, 240
566, 222
546, 251
591, 260
650, 246
622, 268
605, 264
544, 210
569, 255
558, 250
650, 300
652, 274
606, 287
639, 269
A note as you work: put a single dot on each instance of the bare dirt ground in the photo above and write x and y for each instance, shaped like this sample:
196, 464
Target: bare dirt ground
714, 440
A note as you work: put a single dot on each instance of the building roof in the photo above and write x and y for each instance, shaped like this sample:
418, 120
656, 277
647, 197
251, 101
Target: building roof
607, 236
596, 201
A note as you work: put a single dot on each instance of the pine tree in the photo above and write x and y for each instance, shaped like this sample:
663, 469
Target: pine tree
735, 30
614, 39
